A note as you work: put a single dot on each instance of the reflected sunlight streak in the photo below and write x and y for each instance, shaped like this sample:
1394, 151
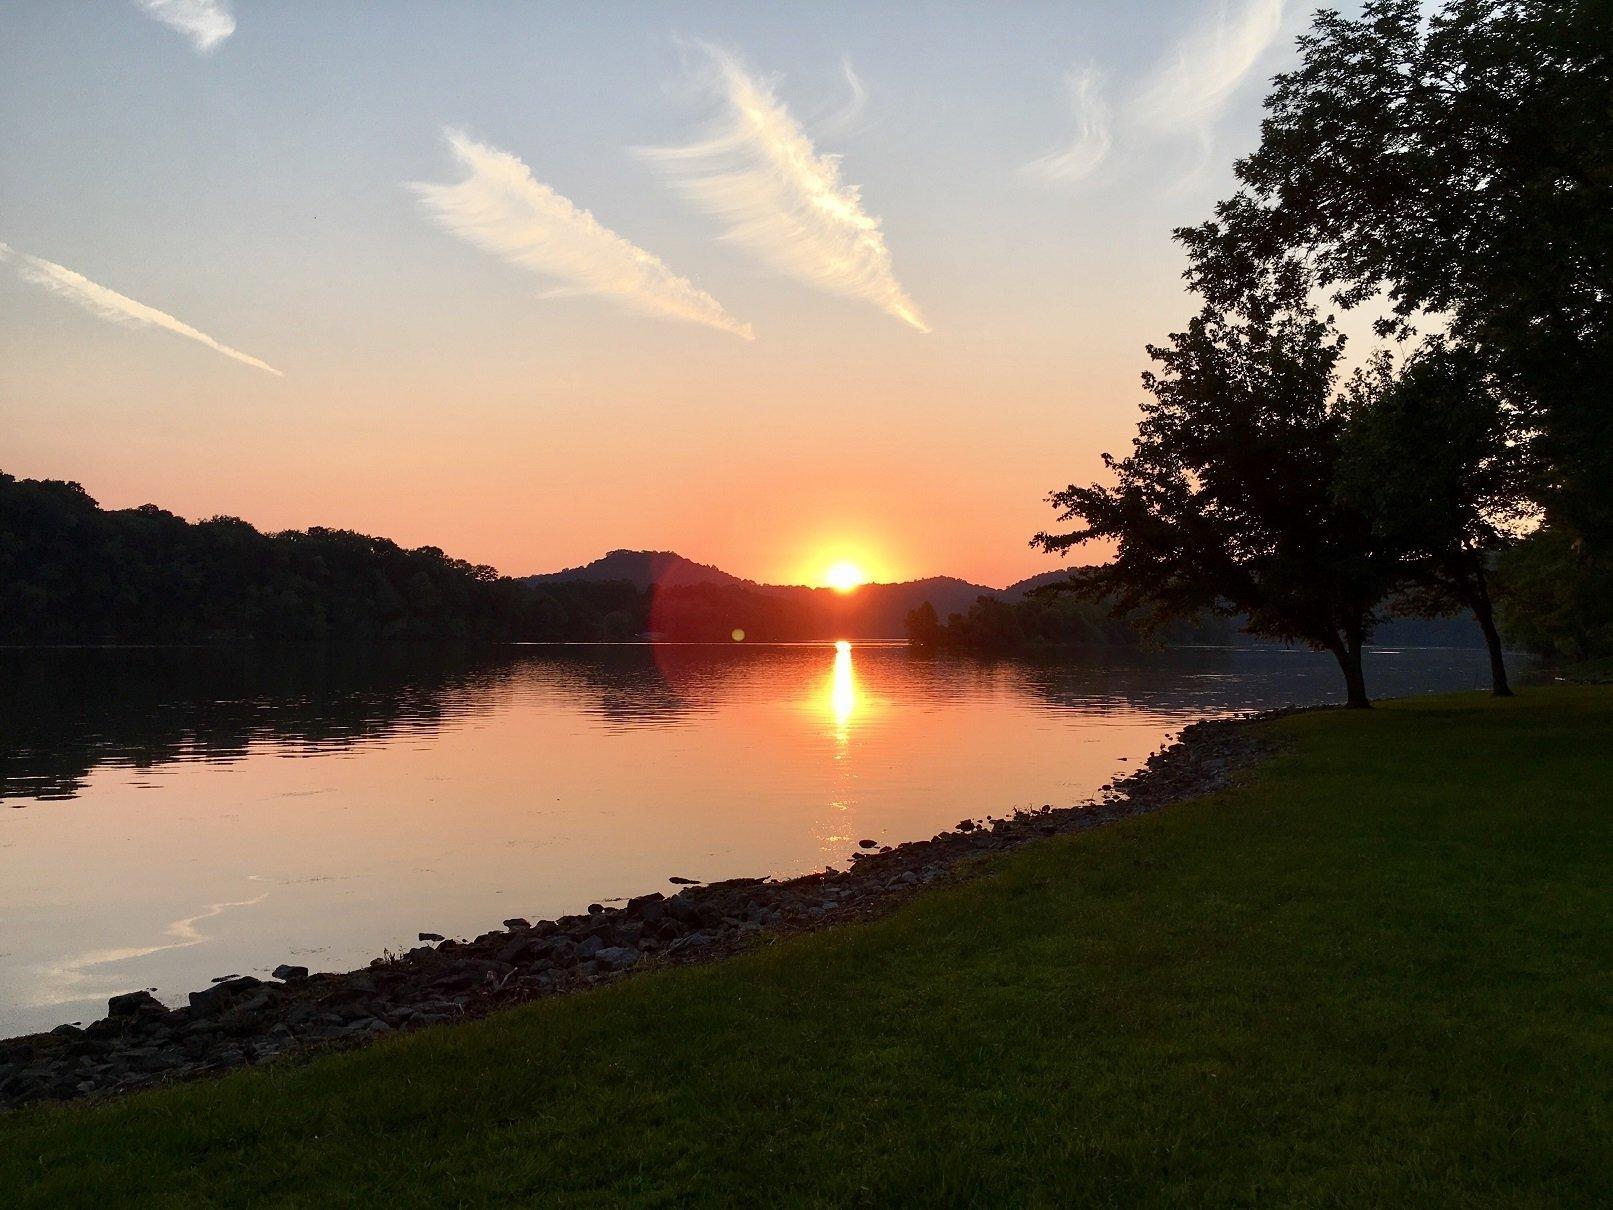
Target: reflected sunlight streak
842, 691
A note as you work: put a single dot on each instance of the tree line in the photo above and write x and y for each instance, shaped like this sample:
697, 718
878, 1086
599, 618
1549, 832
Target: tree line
1453, 175
73, 572
1048, 618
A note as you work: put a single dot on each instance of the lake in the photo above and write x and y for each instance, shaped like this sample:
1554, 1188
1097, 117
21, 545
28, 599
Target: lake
181, 814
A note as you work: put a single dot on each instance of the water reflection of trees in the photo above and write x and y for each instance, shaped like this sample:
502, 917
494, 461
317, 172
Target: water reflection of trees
66, 711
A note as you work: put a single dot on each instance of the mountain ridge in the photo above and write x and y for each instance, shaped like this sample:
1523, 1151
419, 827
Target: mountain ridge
879, 610
873, 611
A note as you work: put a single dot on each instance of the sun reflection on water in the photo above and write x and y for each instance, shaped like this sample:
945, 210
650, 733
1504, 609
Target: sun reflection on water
842, 691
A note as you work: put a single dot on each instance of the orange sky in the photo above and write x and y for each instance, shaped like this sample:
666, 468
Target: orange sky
476, 312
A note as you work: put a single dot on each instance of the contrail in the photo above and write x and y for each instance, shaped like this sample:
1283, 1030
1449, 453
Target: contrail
109, 304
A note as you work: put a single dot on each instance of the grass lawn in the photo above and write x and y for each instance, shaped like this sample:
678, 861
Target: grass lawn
1378, 973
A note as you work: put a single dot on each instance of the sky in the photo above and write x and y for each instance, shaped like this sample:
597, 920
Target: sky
774, 286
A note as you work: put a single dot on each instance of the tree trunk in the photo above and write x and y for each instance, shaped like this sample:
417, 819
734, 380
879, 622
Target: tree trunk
1348, 654
1492, 637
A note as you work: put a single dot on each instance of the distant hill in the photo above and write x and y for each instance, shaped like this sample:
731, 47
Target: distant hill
874, 611
644, 569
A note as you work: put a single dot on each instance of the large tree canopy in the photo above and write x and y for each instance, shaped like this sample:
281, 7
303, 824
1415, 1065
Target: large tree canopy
1461, 167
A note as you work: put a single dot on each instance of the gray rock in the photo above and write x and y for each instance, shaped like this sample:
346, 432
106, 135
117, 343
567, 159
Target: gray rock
432, 937
523, 949
289, 973
133, 1004
617, 957
868, 844
517, 922
220, 995
646, 907
590, 947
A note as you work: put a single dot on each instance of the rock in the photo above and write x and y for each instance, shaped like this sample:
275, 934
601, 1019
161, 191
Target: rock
289, 973
617, 957
133, 1004
220, 995
675, 880
590, 946
646, 907
516, 922
523, 949
67, 1031
432, 937
564, 952
868, 844
595, 908
223, 978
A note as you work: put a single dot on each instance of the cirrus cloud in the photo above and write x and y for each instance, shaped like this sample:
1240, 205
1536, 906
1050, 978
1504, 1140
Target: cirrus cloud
205, 22
502, 208
1208, 65
1090, 146
779, 196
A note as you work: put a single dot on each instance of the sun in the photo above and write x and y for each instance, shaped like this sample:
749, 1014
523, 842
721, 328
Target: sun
843, 577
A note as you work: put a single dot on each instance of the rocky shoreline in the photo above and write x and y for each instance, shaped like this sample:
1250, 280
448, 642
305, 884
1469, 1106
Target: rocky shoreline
244, 1021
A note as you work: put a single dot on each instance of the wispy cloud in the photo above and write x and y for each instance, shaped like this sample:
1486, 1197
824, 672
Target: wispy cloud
1090, 146
781, 198
1207, 65
846, 117
501, 208
1181, 97
109, 304
205, 22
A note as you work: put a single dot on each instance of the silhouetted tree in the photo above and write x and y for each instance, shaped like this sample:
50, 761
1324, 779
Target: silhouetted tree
1226, 501
1463, 165
1431, 456
923, 626
1553, 601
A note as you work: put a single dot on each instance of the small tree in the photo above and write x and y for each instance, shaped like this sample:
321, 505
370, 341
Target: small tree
1431, 456
923, 626
1226, 501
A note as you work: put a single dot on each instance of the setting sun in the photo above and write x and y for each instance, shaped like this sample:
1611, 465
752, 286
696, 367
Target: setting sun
843, 577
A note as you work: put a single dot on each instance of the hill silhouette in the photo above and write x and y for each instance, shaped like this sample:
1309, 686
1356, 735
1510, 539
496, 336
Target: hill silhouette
873, 611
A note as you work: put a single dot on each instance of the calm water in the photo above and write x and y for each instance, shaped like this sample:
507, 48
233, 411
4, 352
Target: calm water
182, 814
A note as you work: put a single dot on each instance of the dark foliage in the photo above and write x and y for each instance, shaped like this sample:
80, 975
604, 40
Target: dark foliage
1050, 618
1555, 602
1464, 168
1431, 454
71, 571
1226, 503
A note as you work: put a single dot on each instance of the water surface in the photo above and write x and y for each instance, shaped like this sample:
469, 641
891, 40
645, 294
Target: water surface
182, 814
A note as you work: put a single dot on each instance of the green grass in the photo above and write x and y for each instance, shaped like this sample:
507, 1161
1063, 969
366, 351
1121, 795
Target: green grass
1378, 973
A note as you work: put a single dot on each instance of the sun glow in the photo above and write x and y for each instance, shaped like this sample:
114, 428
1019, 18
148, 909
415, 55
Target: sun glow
843, 577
